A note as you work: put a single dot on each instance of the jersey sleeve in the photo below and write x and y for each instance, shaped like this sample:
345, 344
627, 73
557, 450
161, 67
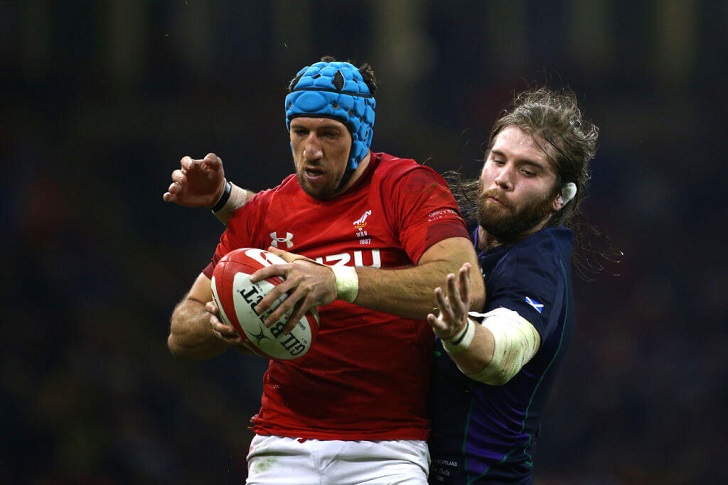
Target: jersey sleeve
425, 211
241, 229
533, 283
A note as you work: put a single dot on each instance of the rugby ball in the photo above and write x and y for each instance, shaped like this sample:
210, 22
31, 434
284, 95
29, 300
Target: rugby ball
236, 298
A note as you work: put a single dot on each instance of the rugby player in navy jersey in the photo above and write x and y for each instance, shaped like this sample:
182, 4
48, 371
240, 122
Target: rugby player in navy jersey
494, 371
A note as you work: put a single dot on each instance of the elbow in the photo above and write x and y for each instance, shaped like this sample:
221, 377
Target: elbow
173, 347
494, 375
500, 380
184, 348
177, 350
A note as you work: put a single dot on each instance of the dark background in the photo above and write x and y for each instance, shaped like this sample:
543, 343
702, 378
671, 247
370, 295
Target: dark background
100, 99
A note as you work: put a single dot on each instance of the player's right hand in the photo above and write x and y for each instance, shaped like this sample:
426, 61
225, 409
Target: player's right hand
197, 183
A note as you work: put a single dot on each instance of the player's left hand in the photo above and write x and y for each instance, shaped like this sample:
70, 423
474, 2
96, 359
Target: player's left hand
307, 283
453, 306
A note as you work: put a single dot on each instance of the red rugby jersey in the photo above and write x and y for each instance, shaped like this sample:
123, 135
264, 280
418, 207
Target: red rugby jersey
367, 375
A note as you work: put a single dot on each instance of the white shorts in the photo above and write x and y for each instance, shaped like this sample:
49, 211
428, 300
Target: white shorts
274, 460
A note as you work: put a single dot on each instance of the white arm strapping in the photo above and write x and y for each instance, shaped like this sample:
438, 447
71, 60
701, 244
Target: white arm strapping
347, 282
238, 198
516, 342
461, 342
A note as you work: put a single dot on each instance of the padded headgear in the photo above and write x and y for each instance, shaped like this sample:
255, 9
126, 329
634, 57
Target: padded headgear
335, 90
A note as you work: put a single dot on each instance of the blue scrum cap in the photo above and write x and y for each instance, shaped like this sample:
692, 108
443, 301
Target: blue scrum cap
335, 90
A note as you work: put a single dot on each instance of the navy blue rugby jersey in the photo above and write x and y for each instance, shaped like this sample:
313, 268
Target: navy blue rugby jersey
487, 434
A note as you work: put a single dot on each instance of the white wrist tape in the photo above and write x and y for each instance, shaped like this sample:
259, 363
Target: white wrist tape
347, 283
238, 197
516, 342
461, 341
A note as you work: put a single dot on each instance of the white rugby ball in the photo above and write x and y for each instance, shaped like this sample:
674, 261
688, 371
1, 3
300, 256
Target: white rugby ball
236, 297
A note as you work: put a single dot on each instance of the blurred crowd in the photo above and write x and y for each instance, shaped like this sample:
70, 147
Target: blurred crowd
101, 100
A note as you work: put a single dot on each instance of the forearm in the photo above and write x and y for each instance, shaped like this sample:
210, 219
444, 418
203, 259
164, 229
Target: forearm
471, 354
405, 291
190, 336
408, 292
496, 350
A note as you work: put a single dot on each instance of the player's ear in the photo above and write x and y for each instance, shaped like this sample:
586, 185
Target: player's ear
568, 192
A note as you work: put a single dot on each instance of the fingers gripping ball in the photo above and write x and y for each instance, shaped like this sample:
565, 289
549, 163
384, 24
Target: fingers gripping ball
236, 297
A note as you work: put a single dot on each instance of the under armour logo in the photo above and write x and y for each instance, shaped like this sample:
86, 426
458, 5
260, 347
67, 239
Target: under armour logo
275, 240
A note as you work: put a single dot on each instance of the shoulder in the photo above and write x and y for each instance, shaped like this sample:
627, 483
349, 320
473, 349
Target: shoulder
532, 277
549, 241
543, 253
390, 169
288, 185
391, 165
262, 201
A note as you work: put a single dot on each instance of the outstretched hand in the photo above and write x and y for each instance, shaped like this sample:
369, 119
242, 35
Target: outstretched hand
197, 183
453, 306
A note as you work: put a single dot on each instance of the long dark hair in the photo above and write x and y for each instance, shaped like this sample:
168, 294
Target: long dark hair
570, 142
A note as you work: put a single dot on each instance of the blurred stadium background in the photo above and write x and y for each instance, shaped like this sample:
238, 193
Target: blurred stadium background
100, 99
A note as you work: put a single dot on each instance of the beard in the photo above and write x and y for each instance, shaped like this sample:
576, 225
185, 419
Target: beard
327, 189
505, 223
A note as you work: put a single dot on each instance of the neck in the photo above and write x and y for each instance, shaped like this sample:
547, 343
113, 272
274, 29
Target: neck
355, 176
485, 240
